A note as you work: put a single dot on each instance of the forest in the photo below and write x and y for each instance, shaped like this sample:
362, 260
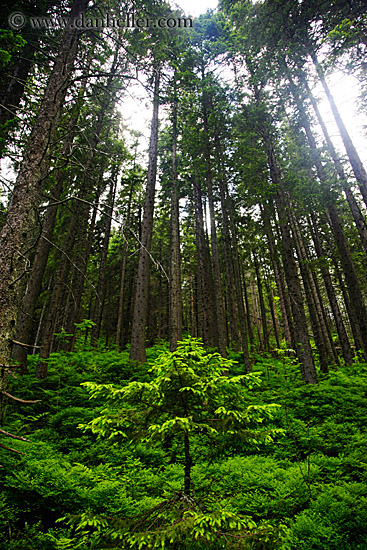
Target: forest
183, 307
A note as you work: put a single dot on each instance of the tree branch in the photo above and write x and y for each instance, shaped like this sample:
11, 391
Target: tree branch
18, 399
7, 434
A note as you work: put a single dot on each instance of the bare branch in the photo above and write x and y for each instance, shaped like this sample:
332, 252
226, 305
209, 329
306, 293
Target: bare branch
24, 345
7, 434
18, 399
11, 449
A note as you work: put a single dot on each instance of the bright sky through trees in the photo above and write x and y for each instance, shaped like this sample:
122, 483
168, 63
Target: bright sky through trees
195, 7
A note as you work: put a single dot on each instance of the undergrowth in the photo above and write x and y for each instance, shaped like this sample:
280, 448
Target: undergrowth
72, 489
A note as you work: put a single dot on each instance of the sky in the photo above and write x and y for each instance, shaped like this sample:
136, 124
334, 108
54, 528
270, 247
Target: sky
137, 108
345, 90
195, 7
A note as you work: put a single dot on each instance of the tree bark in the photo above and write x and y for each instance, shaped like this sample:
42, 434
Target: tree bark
262, 303
355, 161
137, 352
358, 217
303, 347
230, 287
98, 307
205, 311
26, 196
356, 298
279, 278
218, 295
34, 284
342, 333
175, 300
125, 232
244, 326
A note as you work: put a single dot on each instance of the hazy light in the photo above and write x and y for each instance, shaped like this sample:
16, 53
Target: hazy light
195, 7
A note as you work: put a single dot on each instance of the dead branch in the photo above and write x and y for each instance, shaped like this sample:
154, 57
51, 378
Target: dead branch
25, 345
7, 434
11, 449
18, 399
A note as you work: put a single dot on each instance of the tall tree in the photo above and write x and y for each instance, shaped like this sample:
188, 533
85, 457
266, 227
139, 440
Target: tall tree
26, 196
138, 336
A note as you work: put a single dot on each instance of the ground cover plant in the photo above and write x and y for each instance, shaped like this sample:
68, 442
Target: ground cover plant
130, 468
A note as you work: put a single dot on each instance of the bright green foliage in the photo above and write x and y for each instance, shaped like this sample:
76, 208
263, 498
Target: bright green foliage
191, 397
73, 490
9, 44
190, 392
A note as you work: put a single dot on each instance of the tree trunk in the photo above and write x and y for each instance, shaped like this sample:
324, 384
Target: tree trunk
175, 301
358, 217
125, 232
274, 319
34, 284
262, 303
61, 276
218, 296
98, 309
137, 352
342, 333
205, 311
356, 298
303, 347
355, 161
238, 287
230, 287
279, 279
26, 196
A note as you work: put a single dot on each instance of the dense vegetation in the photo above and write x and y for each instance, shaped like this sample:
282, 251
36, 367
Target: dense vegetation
297, 480
183, 330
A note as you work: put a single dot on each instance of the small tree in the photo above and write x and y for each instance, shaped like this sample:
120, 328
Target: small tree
191, 393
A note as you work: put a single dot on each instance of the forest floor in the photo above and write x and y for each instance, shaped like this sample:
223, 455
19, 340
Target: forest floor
72, 489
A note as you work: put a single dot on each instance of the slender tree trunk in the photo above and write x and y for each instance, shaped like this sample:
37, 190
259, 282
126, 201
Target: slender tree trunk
126, 230
175, 301
137, 352
321, 331
84, 240
40, 322
353, 321
358, 217
218, 295
303, 346
357, 305
27, 192
204, 301
355, 161
34, 284
250, 330
279, 279
342, 333
353, 205
262, 303
243, 328
61, 277
101, 286
230, 287
274, 319
256, 314
356, 298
